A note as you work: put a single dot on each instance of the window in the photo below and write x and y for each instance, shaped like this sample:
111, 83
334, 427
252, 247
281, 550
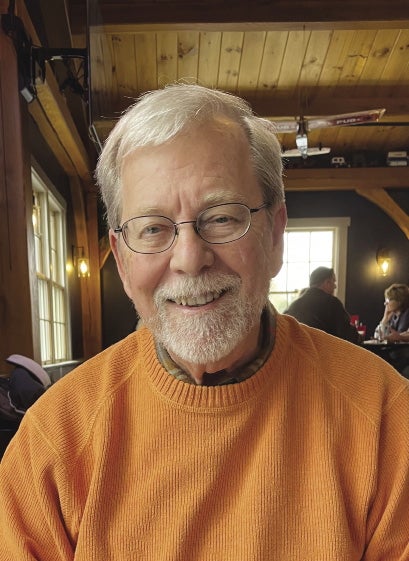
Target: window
49, 234
308, 244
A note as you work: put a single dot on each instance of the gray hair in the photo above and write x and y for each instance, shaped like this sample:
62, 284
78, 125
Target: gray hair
160, 115
320, 275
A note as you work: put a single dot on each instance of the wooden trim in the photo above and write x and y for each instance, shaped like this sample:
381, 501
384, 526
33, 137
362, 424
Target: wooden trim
18, 296
384, 201
369, 183
91, 288
86, 227
104, 250
346, 179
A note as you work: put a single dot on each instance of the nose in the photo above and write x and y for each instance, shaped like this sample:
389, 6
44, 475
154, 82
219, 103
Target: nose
189, 253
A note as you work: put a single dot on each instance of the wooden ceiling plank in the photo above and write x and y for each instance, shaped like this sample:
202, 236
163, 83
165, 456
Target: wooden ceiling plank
109, 71
146, 61
334, 61
230, 58
292, 64
395, 72
167, 57
123, 49
356, 57
377, 61
274, 48
187, 55
253, 48
315, 56
209, 56
102, 76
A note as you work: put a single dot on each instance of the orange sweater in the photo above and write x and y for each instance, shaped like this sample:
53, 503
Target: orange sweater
306, 460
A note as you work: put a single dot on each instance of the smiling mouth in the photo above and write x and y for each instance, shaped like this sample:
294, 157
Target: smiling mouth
196, 301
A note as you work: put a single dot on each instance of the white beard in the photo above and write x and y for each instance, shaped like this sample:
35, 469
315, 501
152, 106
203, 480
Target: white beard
213, 334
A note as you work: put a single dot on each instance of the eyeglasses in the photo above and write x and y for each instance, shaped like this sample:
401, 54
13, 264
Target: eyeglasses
216, 225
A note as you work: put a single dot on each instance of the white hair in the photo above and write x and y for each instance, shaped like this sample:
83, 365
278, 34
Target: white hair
160, 115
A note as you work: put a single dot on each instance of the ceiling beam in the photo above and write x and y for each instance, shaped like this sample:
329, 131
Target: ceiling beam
297, 14
382, 199
346, 179
325, 101
55, 116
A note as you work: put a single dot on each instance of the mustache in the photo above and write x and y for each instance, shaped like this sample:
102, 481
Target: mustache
193, 287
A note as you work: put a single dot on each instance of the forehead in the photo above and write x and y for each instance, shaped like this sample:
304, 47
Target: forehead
205, 160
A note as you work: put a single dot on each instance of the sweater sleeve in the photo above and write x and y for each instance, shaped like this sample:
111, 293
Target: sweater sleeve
388, 518
32, 524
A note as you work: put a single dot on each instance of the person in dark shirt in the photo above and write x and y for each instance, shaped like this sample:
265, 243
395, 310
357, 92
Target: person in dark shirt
318, 307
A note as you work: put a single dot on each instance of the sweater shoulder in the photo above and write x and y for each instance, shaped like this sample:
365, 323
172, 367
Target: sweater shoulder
67, 413
354, 373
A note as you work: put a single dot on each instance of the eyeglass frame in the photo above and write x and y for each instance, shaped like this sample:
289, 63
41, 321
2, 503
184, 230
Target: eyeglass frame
120, 229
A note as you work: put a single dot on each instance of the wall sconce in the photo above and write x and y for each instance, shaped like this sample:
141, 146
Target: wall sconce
80, 262
383, 260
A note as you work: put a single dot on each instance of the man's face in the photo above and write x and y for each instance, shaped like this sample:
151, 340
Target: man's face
330, 285
203, 301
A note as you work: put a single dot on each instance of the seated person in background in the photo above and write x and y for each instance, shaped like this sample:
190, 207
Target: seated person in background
396, 315
396, 337
318, 307
400, 354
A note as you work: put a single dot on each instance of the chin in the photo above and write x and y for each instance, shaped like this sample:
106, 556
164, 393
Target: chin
207, 337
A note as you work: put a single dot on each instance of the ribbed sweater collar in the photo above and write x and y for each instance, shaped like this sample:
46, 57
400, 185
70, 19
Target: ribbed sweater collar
203, 397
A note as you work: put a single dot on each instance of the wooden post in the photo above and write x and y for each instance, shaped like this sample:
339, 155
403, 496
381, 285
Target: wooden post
18, 296
86, 227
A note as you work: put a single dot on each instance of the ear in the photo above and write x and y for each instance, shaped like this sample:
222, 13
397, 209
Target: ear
115, 241
279, 224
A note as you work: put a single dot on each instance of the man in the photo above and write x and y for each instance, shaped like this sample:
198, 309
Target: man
219, 430
318, 307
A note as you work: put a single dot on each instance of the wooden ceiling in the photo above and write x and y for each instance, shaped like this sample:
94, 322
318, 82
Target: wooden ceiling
287, 58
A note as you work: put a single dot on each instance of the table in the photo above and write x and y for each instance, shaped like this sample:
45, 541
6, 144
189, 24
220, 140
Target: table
396, 354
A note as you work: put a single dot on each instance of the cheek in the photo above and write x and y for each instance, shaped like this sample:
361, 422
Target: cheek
253, 259
142, 277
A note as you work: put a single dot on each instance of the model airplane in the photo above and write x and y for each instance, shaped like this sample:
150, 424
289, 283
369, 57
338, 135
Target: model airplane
302, 126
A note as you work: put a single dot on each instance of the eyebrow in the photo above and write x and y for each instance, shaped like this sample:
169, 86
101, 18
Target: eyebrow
224, 196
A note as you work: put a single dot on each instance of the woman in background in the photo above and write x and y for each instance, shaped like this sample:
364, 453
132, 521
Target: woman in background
396, 315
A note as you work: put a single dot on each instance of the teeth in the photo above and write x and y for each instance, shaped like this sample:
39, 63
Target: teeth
198, 300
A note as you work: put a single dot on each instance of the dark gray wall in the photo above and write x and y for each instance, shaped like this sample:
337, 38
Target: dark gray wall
370, 229
118, 313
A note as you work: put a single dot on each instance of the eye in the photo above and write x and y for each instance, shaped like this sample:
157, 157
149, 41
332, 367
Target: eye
148, 228
152, 230
155, 229
220, 219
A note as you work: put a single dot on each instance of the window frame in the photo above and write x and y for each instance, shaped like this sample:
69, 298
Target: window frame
56, 283
339, 225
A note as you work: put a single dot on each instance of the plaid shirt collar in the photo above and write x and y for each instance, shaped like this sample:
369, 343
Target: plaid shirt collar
223, 377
